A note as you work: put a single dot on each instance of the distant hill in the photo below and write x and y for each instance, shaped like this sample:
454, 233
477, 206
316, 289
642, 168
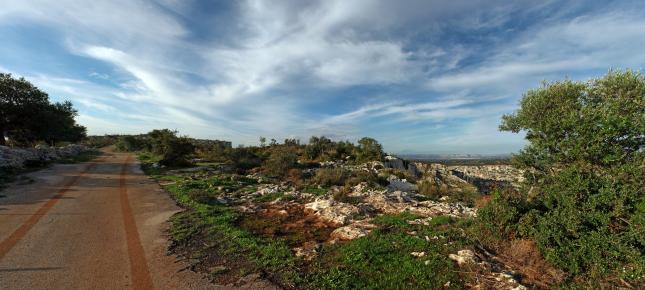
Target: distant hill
459, 159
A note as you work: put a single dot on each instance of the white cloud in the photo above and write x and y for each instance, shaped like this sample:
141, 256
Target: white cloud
580, 44
279, 57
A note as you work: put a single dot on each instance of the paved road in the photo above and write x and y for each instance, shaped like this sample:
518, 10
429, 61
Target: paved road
95, 225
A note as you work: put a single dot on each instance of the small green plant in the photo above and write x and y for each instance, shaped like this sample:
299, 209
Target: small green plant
315, 190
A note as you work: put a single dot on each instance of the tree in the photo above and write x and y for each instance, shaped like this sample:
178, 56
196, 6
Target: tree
18, 100
26, 115
317, 147
369, 150
173, 150
583, 202
263, 141
56, 123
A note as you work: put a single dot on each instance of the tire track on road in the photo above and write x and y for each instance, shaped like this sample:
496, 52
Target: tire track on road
140, 274
7, 244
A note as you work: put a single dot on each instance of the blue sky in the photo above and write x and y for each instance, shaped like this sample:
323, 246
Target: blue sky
421, 76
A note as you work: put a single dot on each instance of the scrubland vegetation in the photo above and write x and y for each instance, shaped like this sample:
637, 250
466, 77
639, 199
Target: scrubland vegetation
576, 220
583, 203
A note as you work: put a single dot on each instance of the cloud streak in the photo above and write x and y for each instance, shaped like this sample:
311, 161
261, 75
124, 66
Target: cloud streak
425, 73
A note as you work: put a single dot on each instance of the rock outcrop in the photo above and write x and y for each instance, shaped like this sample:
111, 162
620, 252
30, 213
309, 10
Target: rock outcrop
400, 164
483, 178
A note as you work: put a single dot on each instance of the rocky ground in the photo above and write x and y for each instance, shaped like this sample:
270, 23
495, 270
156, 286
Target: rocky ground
312, 221
18, 158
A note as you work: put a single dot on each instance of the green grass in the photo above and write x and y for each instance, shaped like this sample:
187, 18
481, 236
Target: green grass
318, 191
218, 226
382, 259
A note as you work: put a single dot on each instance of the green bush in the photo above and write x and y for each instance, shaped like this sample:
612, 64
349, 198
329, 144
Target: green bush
583, 201
324, 149
369, 150
243, 159
330, 176
176, 152
372, 179
282, 159
129, 144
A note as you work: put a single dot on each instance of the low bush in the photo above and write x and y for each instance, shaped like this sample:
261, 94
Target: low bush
244, 159
372, 179
129, 144
401, 174
282, 159
330, 177
431, 190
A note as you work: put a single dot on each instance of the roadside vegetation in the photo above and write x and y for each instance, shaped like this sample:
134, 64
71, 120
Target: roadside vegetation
28, 119
575, 221
583, 202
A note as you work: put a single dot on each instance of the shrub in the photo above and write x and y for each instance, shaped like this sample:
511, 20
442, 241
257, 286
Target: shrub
401, 174
431, 190
176, 152
324, 149
583, 203
281, 160
243, 159
129, 144
369, 150
330, 176
371, 178
294, 177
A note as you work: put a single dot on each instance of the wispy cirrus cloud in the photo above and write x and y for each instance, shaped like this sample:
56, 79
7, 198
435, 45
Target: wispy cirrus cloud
429, 74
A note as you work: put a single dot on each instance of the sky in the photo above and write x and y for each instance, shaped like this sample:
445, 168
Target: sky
420, 76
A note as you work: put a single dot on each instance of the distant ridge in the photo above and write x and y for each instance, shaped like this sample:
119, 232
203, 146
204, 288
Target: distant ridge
431, 157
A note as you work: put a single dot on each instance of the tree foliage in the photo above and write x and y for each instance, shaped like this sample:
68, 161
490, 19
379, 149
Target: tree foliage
583, 201
281, 160
27, 116
368, 150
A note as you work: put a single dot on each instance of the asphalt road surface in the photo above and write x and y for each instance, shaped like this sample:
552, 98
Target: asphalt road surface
95, 225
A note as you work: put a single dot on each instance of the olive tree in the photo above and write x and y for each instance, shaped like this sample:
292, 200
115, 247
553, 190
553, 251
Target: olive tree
583, 201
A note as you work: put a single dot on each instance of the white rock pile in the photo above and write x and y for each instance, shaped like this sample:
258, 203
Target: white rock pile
17, 158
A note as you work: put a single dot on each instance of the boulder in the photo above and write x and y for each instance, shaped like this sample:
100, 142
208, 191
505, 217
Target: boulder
400, 164
332, 211
349, 232
397, 184
463, 257
17, 158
